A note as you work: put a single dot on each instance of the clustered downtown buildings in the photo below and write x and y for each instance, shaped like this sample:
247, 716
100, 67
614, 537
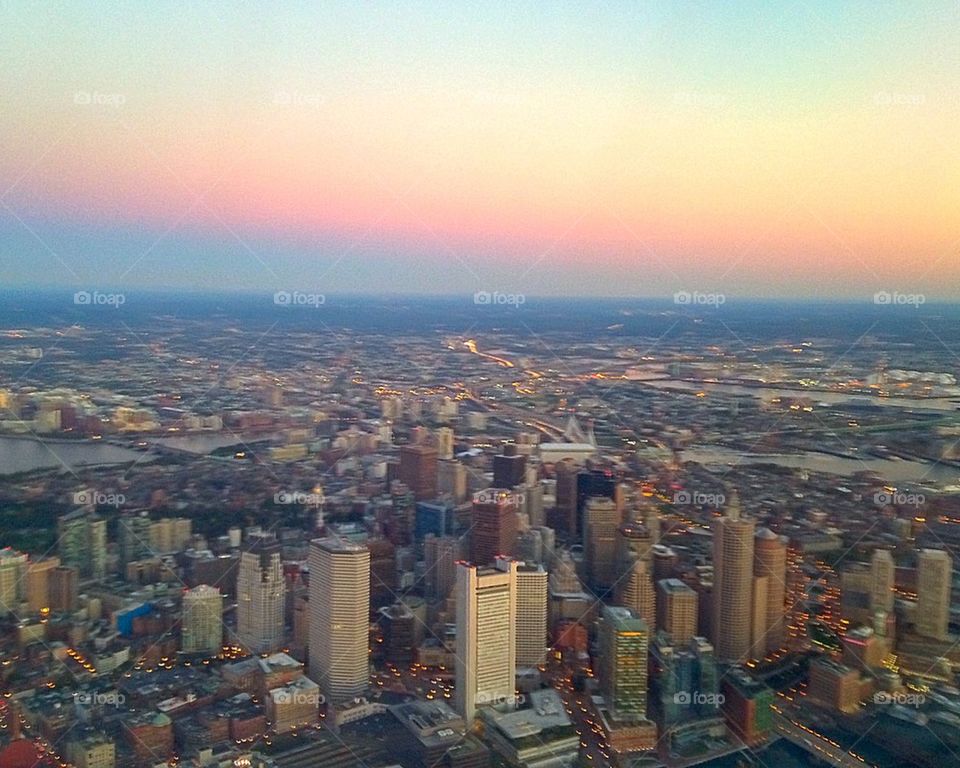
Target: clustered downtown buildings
477, 575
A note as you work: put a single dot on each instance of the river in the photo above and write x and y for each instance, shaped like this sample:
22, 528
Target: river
832, 398
890, 470
21, 454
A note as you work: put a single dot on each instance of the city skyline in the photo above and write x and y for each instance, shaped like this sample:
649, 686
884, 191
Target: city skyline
480, 385
753, 150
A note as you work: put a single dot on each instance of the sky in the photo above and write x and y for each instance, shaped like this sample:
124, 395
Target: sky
747, 147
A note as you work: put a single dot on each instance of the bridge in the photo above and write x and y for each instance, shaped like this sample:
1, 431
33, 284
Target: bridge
817, 745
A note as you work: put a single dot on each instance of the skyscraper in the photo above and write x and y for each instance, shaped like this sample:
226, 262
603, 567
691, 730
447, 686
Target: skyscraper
13, 567
83, 543
39, 574
677, 610
634, 572
883, 573
202, 625
624, 642
445, 439
64, 585
635, 591
418, 470
566, 500
934, 579
770, 562
509, 467
339, 617
531, 626
261, 592
601, 521
440, 569
494, 530
732, 585
134, 538
486, 642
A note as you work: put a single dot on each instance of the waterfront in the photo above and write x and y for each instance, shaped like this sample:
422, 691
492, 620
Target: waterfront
819, 396
21, 454
889, 470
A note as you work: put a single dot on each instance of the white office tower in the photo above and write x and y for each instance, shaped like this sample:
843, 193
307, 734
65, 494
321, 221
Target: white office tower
261, 592
486, 643
531, 628
733, 582
339, 618
934, 579
202, 625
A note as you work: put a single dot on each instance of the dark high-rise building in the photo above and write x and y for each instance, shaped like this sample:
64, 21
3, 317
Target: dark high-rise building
64, 585
436, 517
383, 572
397, 624
601, 522
566, 522
494, 530
509, 467
596, 482
418, 470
